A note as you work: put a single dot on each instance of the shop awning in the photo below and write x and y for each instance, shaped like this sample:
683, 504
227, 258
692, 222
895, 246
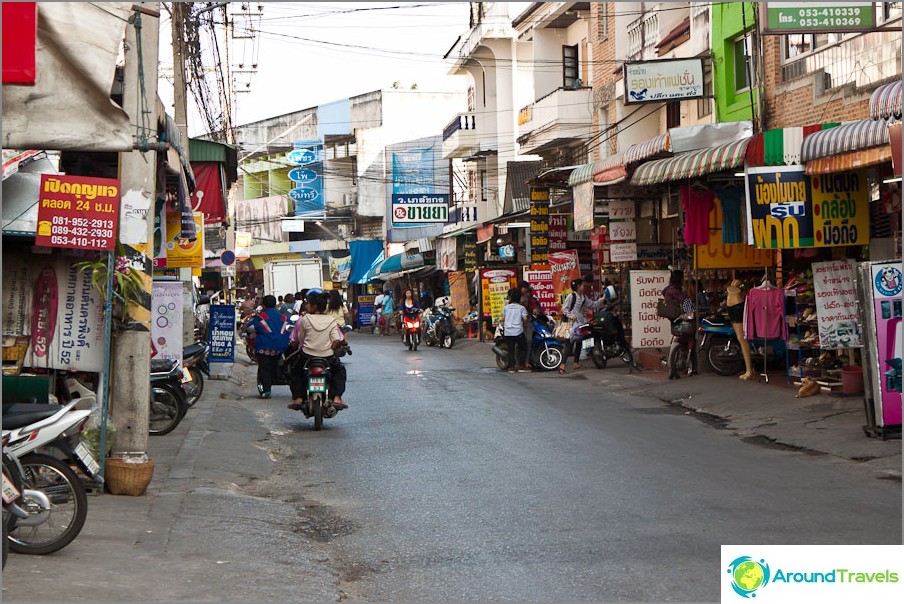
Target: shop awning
581, 175
601, 171
640, 151
364, 255
692, 164
396, 266
852, 136
780, 146
611, 176
849, 161
885, 102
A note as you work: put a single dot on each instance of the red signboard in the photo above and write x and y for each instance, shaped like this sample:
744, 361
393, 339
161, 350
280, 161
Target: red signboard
894, 137
78, 212
20, 34
208, 195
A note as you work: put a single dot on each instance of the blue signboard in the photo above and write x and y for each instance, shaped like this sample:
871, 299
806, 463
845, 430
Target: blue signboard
308, 194
365, 309
221, 334
414, 203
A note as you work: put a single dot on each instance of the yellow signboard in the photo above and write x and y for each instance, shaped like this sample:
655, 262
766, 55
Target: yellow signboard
182, 253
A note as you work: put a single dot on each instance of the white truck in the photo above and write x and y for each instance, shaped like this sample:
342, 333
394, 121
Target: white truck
283, 277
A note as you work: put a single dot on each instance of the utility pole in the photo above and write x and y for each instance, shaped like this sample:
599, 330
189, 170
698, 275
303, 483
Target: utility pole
138, 183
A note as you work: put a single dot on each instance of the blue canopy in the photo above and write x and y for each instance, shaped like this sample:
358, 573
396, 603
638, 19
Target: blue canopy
365, 254
395, 266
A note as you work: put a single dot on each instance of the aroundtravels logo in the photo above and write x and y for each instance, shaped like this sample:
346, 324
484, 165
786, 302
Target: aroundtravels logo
748, 575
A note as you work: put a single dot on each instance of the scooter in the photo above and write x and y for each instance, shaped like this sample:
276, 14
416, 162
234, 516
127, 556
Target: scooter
607, 338
12, 497
544, 353
168, 400
194, 363
411, 329
723, 350
683, 346
439, 326
318, 401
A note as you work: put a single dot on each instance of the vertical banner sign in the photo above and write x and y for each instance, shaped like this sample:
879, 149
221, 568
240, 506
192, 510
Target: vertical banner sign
365, 309
541, 282
887, 286
563, 267
182, 252
470, 253
67, 321
166, 320
539, 225
836, 304
458, 292
413, 201
340, 268
221, 333
159, 238
242, 245
840, 208
583, 206
17, 292
648, 330
558, 233
496, 283
308, 193
78, 212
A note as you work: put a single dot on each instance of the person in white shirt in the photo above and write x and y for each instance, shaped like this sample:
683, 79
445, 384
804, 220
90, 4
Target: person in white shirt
576, 306
514, 316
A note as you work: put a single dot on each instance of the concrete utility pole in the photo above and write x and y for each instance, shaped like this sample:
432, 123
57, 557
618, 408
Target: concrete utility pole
138, 178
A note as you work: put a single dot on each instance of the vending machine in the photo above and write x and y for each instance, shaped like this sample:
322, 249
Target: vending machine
880, 285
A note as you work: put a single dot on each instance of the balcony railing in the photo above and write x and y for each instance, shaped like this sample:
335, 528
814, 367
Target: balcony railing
859, 60
566, 109
463, 121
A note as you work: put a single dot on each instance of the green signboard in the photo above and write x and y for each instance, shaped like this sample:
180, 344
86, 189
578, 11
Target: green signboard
817, 17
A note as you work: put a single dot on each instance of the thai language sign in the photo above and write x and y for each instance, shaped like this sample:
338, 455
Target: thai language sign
786, 209
495, 284
470, 253
365, 309
308, 193
17, 290
836, 304
412, 210
558, 232
648, 330
817, 17
221, 334
458, 292
166, 320
541, 282
539, 225
564, 268
78, 212
181, 252
622, 252
665, 80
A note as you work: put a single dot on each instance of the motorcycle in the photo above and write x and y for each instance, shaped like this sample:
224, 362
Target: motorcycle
53, 495
318, 401
411, 329
247, 335
12, 497
168, 400
194, 364
439, 326
682, 347
723, 350
606, 338
544, 351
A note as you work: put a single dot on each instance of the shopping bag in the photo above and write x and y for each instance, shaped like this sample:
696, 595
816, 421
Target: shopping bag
670, 310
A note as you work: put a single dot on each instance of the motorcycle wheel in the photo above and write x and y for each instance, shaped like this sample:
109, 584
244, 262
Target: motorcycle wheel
502, 361
167, 410
68, 506
598, 356
317, 410
250, 352
679, 359
6, 516
550, 359
9, 521
195, 387
725, 362
627, 356
448, 340
415, 340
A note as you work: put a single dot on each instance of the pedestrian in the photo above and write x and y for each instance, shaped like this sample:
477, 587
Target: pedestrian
289, 302
514, 316
271, 329
318, 336
336, 308
377, 317
575, 308
532, 306
388, 312
299, 301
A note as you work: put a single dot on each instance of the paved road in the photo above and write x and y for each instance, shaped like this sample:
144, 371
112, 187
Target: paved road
448, 480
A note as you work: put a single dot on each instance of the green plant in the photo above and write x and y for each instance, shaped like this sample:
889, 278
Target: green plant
127, 282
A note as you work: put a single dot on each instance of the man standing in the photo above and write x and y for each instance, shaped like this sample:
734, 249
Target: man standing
514, 317
271, 340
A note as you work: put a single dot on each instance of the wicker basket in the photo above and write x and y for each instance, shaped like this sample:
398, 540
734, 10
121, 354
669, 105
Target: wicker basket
127, 478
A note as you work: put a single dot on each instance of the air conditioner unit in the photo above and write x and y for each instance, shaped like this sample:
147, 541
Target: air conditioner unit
343, 230
349, 199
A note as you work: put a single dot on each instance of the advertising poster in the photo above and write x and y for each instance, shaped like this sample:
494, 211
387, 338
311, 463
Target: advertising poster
648, 330
459, 294
166, 321
67, 326
840, 208
563, 266
180, 252
583, 206
446, 254
887, 285
496, 283
365, 309
221, 334
261, 218
242, 245
558, 233
541, 281
78, 212
539, 225
836, 305
340, 268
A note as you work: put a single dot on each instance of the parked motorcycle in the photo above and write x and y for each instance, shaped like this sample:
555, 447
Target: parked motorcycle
606, 338
411, 328
318, 401
194, 363
723, 350
53, 495
168, 400
439, 326
12, 497
544, 351
682, 347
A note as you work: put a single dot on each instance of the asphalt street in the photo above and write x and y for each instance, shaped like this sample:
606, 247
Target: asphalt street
450, 480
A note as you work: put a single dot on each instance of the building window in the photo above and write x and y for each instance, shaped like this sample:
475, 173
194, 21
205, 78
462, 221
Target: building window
673, 114
742, 62
891, 10
602, 22
483, 185
569, 66
796, 45
705, 105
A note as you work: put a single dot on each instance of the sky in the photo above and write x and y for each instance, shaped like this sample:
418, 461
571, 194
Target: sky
311, 53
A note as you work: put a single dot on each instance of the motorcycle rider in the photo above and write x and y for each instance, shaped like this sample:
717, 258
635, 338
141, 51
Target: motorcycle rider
407, 307
317, 335
675, 291
271, 329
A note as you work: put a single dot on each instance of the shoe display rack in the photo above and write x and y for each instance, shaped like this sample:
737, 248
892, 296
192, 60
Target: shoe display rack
802, 352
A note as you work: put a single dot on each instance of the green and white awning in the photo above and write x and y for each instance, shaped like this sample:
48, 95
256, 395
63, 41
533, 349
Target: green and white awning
581, 175
692, 164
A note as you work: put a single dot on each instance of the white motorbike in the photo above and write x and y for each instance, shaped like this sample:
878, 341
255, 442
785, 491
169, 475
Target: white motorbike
53, 495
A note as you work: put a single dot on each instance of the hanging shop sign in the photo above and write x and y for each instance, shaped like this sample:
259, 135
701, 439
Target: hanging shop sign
78, 212
623, 252
564, 268
470, 253
340, 268
181, 252
623, 231
365, 309
539, 225
414, 210
308, 194
67, 320
17, 292
541, 282
894, 141
495, 284
786, 209
558, 232
664, 80
583, 206
166, 321
622, 209
242, 245
817, 17
458, 292
221, 334
836, 304
648, 329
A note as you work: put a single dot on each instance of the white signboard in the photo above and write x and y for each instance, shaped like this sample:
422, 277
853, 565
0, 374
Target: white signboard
666, 80
836, 305
17, 290
583, 207
621, 209
623, 231
648, 330
623, 252
166, 321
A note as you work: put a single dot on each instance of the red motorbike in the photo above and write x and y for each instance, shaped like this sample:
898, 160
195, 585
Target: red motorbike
411, 328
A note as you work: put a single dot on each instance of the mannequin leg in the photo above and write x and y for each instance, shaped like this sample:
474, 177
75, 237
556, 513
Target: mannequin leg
745, 350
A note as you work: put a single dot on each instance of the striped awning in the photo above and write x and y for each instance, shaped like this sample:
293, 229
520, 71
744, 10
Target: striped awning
590, 171
611, 176
850, 161
641, 151
852, 136
691, 164
581, 175
885, 102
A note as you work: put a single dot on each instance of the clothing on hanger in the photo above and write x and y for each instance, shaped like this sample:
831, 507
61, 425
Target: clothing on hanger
697, 205
764, 312
730, 200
